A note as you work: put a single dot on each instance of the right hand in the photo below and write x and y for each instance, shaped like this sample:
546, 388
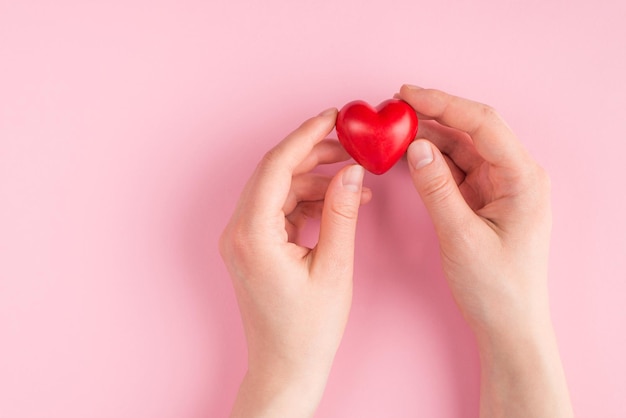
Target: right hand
490, 205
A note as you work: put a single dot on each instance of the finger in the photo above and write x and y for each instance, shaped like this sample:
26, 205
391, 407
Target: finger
306, 187
312, 187
492, 137
473, 199
472, 196
457, 173
437, 187
295, 220
366, 195
333, 257
313, 209
454, 143
293, 231
328, 151
270, 183
420, 116
304, 211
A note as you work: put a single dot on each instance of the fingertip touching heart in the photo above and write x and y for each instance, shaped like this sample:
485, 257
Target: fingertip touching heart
376, 137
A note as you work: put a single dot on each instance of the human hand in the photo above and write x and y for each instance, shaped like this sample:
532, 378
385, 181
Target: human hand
490, 205
294, 301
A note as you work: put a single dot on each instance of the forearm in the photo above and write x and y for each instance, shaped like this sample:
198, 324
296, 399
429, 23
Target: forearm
522, 375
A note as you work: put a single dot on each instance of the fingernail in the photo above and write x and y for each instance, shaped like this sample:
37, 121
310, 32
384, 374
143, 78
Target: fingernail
397, 96
412, 87
420, 154
328, 111
352, 178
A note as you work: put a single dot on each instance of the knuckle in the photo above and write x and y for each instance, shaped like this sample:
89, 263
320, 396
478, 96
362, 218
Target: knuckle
438, 94
437, 188
344, 209
338, 270
278, 159
223, 244
235, 244
543, 179
440, 97
270, 158
489, 112
486, 115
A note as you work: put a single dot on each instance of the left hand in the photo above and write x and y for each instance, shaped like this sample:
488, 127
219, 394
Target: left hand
294, 301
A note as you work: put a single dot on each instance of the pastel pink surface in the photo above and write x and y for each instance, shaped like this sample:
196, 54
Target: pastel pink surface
128, 128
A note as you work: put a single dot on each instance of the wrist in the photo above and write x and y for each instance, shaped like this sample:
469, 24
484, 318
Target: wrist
509, 315
515, 340
276, 392
521, 373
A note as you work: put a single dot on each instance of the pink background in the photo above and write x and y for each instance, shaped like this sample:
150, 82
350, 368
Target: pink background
127, 129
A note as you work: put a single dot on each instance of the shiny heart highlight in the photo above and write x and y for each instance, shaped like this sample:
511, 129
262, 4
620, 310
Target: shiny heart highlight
376, 137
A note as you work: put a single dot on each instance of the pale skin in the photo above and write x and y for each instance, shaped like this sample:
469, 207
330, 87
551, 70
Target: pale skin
482, 190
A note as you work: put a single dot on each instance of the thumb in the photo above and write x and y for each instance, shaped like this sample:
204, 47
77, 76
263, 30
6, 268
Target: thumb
434, 182
335, 248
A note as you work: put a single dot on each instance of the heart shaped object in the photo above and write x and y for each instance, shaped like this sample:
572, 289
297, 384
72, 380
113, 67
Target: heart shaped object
376, 138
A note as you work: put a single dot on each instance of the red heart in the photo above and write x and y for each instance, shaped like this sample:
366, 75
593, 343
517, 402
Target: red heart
376, 138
